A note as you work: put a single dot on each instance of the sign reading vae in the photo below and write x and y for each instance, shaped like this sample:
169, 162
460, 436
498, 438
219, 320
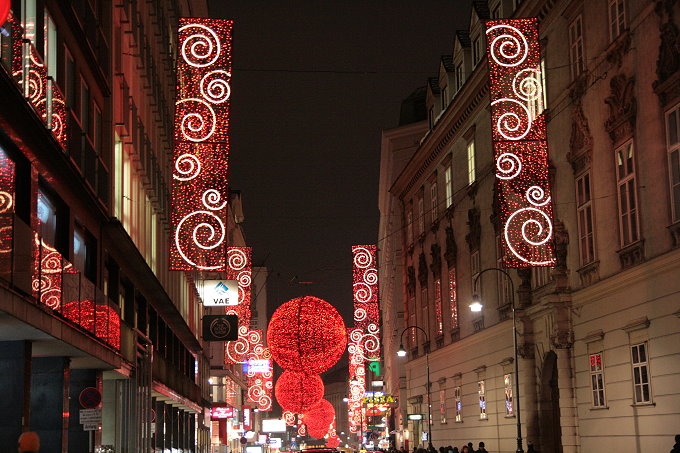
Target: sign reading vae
215, 293
201, 145
221, 412
520, 142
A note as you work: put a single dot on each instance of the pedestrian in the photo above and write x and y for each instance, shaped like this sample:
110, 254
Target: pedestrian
29, 442
465, 449
449, 449
455, 450
471, 448
530, 448
676, 447
481, 448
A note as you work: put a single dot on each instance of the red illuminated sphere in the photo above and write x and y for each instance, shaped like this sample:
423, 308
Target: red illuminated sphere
317, 433
306, 334
297, 392
320, 417
4, 10
333, 442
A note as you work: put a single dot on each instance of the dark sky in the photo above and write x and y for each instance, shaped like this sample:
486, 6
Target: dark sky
313, 85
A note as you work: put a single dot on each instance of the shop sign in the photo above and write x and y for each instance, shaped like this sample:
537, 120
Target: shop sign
221, 412
218, 293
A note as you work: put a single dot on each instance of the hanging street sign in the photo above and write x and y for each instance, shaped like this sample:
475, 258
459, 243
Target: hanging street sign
218, 293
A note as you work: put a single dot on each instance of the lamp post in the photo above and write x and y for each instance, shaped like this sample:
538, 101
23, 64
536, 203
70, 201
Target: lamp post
402, 353
476, 306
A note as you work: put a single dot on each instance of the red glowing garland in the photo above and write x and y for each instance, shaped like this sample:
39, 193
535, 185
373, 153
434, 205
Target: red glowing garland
297, 392
101, 320
520, 142
199, 189
306, 334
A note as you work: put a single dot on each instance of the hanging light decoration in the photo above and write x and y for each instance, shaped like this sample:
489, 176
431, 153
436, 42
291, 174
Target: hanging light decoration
101, 320
297, 392
317, 433
307, 334
4, 10
333, 442
320, 416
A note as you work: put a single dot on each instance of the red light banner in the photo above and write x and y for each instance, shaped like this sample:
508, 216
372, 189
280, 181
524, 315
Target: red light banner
357, 373
520, 142
366, 309
200, 184
239, 268
260, 378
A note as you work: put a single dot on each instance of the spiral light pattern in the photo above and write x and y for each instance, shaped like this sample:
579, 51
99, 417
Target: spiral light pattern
519, 139
200, 183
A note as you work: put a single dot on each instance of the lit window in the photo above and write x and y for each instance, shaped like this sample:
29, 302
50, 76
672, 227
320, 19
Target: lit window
438, 306
673, 146
459, 404
434, 215
50, 45
80, 249
509, 404
47, 218
482, 400
28, 19
627, 194
597, 379
448, 182
472, 174
641, 385
584, 211
617, 18
576, 57
442, 406
453, 298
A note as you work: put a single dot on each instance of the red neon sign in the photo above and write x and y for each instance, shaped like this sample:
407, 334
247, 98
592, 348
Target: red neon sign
520, 142
200, 185
221, 412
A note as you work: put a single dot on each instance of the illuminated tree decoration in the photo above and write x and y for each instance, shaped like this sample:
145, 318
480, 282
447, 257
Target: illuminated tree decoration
520, 142
366, 309
200, 184
306, 334
297, 392
319, 417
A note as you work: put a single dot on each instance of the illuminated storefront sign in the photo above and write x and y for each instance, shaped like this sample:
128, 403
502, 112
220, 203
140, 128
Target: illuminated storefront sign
221, 412
216, 293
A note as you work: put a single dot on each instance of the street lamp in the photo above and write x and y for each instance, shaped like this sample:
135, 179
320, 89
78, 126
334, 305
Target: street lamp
402, 353
476, 306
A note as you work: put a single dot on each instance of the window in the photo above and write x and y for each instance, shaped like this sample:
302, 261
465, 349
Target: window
47, 218
421, 215
118, 177
627, 193
411, 308
445, 97
453, 298
597, 379
509, 404
496, 12
430, 117
438, 306
448, 183
442, 406
79, 249
476, 50
459, 404
617, 18
540, 276
474, 272
460, 76
433, 202
641, 386
504, 284
673, 146
576, 57
69, 84
425, 310
28, 19
472, 175
409, 224
537, 105
584, 212
482, 400
85, 107
97, 128
50, 51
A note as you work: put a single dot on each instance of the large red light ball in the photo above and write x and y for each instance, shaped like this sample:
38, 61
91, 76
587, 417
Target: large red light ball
4, 10
297, 392
320, 417
317, 433
307, 334
333, 442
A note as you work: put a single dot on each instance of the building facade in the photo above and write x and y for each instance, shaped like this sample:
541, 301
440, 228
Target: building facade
598, 332
90, 316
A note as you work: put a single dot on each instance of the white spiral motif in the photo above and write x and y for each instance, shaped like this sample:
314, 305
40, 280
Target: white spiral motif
360, 314
201, 47
362, 257
362, 292
509, 123
537, 196
244, 279
211, 200
215, 235
236, 259
371, 343
527, 84
371, 276
6, 202
215, 86
530, 218
198, 119
510, 47
508, 166
35, 86
188, 166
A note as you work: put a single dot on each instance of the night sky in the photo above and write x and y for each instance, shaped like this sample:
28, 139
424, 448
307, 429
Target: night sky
313, 85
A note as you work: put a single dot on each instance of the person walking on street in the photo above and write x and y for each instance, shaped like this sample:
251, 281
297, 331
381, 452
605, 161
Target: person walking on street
676, 447
29, 442
465, 449
470, 447
481, 448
